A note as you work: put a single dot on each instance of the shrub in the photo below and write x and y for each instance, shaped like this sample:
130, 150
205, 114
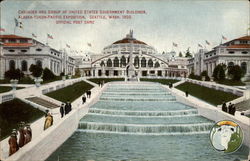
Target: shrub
14, 74
193, 76
36, 70
235, 72
62, 74
219, 72
48, 74
204, 73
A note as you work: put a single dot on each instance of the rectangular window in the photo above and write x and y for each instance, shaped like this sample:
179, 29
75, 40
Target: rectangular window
23, 41
12, 40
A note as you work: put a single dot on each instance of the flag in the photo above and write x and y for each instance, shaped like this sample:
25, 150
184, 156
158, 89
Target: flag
89, 44
200, 45
224, 38
50, 36
34, 35
208, 43
67, 45
2, 30
16, 22
175, 45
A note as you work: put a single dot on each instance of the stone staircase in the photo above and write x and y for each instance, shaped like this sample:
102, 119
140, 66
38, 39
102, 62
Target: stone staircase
43, 102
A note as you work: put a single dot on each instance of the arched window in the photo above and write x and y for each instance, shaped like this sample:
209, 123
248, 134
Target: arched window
102, 64
243, 66
123, 61
24, 65
109, 63
12, 65
39, 63
230, 64
157, 64
136, 62
116, 62
150, 63
143, 62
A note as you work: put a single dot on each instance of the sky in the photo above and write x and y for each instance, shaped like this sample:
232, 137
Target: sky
185, 23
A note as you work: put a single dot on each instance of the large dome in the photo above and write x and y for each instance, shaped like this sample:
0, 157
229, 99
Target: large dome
127, 40
123, 46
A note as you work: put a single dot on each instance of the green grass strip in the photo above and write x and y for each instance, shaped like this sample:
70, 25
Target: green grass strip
212, 96
70, 93
162, 81
97, 80
15, 111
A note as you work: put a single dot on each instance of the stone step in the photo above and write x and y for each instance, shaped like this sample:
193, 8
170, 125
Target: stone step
42, 102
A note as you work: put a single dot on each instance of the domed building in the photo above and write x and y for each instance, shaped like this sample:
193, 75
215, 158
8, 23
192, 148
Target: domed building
115, 58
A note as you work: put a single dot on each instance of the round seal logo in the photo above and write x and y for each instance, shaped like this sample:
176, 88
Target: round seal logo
226, 136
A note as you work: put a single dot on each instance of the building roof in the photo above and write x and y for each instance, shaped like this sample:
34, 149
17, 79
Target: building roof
239, 46
12, 37
243, 38
18, 44
127, 40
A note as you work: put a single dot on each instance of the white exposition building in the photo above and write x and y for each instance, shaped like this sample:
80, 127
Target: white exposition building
19, 52
114, 61
234, 52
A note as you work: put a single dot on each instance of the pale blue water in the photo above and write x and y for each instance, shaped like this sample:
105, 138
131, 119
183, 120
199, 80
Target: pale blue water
142, 122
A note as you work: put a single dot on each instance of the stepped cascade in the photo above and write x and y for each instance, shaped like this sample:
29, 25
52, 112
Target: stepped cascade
129, 109
141, 121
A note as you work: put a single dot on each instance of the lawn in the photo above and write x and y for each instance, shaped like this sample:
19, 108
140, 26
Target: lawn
162, 81
212, 96
15, 111
70, 93
97, 80
231, 83
7, 89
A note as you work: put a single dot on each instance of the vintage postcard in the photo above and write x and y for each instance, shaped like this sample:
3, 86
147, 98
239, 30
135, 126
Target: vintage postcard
125, 80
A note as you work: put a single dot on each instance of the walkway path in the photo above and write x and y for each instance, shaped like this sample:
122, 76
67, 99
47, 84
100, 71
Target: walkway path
37, 126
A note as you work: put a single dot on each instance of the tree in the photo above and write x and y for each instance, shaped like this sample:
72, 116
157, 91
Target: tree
77, 72
204, 74
36, 70
48, 74
180, 54
235, 72
219, 72
14, 74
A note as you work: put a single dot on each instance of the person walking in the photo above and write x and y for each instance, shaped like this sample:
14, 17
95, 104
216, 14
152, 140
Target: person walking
66, 108
13, 146
224, 107
48, 121
27, 137
230, 108
186, 93
89, 93
21, 135
83, 98
70, 106
62, 110
29, 130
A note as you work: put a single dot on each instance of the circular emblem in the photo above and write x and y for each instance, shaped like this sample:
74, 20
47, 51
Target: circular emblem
226, 136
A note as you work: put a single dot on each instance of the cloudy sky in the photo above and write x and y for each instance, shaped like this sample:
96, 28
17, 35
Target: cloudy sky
186, 23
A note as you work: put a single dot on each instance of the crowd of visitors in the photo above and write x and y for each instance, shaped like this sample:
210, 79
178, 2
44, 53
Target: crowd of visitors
230, 109
19, 138
65, 108
24, 134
